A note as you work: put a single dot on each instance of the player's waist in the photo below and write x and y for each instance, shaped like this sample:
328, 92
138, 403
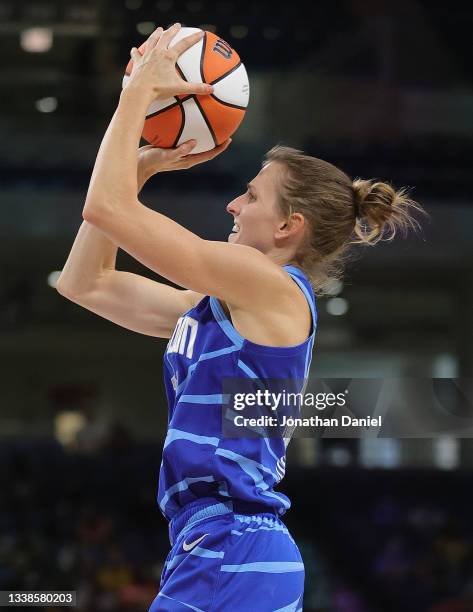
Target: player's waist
201, 509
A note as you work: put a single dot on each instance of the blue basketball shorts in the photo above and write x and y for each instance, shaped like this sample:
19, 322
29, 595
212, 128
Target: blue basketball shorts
221, 561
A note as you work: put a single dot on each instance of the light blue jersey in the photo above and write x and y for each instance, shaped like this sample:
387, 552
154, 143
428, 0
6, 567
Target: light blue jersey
198, 462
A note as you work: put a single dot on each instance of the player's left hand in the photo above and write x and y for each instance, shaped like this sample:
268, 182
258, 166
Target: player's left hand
152, 160
155, 72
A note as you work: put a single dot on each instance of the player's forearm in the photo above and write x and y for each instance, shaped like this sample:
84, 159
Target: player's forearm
92, 255
114, 183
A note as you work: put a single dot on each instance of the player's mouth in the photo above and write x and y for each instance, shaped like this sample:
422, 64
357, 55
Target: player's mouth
235, 228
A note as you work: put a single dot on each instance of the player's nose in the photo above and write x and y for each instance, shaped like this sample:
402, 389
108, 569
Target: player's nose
232, 207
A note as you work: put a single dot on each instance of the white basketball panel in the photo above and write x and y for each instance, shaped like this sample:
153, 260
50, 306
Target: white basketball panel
189, 61
195, 127
234, 88
158, 105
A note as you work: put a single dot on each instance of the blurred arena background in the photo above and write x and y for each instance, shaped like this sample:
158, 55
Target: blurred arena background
382, 89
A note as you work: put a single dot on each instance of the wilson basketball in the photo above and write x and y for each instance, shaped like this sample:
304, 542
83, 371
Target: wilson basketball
208, 119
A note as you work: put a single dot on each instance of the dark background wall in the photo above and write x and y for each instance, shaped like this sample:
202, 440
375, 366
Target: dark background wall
382, 89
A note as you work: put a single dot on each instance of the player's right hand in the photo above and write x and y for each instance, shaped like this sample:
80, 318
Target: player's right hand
155, 72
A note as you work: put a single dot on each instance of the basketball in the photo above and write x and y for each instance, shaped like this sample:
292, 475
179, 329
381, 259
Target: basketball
209, 119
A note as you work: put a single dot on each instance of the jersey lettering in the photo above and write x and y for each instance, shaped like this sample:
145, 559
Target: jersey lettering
184, 334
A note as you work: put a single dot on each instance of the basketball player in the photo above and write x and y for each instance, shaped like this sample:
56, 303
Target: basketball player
247, 310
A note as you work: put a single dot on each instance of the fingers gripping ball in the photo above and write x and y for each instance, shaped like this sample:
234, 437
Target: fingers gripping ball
209, 119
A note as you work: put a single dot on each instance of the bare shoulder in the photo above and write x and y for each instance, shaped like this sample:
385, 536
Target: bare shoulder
285, 319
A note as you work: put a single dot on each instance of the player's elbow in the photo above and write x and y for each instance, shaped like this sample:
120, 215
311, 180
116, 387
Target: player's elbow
94, 212
65, 290
68, 288
66, 293
99, 206
105, 213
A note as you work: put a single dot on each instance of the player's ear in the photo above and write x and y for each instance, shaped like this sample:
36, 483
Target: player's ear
292, 225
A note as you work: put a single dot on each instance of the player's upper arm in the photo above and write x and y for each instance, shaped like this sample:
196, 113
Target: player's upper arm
136, 302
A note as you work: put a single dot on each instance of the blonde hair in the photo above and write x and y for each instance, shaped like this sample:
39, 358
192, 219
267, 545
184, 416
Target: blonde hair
339, 212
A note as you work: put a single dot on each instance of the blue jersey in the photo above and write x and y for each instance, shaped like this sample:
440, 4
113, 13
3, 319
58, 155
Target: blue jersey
198, 462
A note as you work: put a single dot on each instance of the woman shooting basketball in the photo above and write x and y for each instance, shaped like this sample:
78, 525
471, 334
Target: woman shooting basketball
247, 310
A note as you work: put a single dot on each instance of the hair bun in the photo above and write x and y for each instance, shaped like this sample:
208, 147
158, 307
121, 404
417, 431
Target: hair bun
374, 199
384, 211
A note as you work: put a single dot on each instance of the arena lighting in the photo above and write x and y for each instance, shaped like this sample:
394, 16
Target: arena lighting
239, 31
445, 365
67, 424
337, 306
446, 451
46, 105
53, 278
146, 27
380, 453
339, 456
36, 40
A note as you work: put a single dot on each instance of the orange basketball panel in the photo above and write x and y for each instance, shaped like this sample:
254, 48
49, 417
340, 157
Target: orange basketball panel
162, 129
223, 119
219, 58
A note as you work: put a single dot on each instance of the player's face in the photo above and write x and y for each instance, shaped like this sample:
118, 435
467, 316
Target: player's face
256, 213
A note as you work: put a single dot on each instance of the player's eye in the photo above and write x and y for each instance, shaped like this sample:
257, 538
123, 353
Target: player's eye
251, 196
